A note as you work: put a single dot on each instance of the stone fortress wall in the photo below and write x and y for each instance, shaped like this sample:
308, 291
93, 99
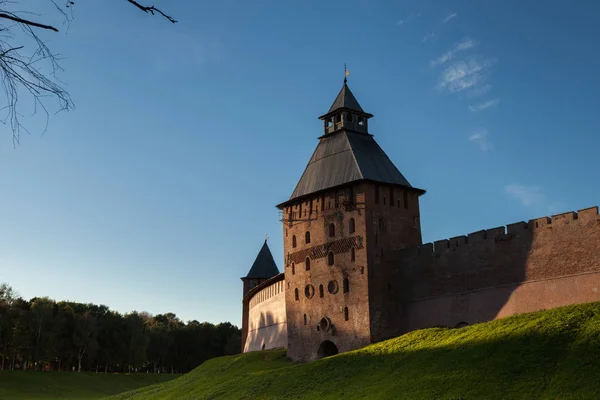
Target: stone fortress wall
545, 263
267, 326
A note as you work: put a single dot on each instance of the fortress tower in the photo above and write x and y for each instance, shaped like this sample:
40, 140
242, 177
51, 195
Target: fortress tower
357, 272
348, 215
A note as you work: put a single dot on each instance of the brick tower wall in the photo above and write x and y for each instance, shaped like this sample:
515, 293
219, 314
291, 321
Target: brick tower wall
524, 267
393, 224
304, 313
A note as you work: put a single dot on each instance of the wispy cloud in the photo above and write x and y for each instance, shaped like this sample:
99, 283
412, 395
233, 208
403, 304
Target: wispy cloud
481, 138
449, 55
408, 18
527, 195
428, 36
484, 105
450, 16
463, 75
533, 196
479, 91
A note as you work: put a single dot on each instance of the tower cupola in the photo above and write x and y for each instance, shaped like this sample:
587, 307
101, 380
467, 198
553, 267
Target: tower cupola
345, 114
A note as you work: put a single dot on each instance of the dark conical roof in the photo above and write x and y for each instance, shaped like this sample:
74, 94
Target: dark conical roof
264, 266
347, 157
345, 99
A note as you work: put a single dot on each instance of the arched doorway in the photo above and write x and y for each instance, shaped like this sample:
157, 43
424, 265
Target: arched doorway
327, 349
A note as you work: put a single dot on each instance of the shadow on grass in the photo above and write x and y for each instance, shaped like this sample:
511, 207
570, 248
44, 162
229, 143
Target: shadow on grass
548, 355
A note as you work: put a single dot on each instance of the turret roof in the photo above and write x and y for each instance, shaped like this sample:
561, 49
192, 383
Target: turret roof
264, 266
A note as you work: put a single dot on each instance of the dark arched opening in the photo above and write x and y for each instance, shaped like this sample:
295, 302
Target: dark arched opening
327, 349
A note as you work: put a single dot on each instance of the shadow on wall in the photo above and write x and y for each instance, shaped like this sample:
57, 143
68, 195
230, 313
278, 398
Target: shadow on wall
267, 333
545, 263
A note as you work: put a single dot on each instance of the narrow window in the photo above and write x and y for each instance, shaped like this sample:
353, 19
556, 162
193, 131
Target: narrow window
293, 269
351, 225
398, 203
307, 264
323, 203
307, 237
338, 118
346, 285
391, 196
352, 254
381, 224
405, 199
330, 258
384, 200
294, 241
389, 287
362, 270
300, 210
285, 232
345, 314
296, 294
348, 117
304, 319
321, 291
376, 194
361, 121
331, 230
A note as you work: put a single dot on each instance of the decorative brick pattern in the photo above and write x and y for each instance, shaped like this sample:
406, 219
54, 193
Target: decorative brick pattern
321, 251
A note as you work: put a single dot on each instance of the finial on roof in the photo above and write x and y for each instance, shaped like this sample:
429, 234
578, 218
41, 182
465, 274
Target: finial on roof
346, 73
266, 238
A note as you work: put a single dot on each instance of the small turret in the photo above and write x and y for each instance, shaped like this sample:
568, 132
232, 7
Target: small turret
263, 268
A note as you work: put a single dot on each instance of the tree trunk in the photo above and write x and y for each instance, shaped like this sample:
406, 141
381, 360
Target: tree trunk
79, 365
106, 368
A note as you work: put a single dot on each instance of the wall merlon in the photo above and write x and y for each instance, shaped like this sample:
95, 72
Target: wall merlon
495, 233
441, 246
517, 227
426, 248
564, 218
458, 241
588, 214
540, 222
477, 237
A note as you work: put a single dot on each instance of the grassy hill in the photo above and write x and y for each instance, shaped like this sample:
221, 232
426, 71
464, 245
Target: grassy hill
545, 355
31, 385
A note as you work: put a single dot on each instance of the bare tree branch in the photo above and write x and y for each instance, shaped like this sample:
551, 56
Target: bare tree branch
27, 73
27, 22
151, 10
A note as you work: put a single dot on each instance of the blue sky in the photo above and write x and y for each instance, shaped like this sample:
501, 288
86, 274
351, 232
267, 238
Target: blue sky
156, 193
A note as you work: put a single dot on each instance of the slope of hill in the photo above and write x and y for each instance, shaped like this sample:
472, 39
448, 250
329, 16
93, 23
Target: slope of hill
32, 385
545, 355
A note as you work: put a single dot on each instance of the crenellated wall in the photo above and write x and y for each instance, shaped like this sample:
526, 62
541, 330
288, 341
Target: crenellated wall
544, 263
267, 326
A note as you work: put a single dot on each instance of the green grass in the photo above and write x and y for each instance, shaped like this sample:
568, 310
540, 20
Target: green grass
545, 355
32, 385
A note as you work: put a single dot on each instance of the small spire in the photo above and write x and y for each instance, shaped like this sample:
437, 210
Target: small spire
266, 238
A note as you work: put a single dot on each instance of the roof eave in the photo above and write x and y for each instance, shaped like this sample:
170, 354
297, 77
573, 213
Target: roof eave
331, 113
280, 206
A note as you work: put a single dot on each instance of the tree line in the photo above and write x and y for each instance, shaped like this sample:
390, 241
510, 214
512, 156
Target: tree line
43, 334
